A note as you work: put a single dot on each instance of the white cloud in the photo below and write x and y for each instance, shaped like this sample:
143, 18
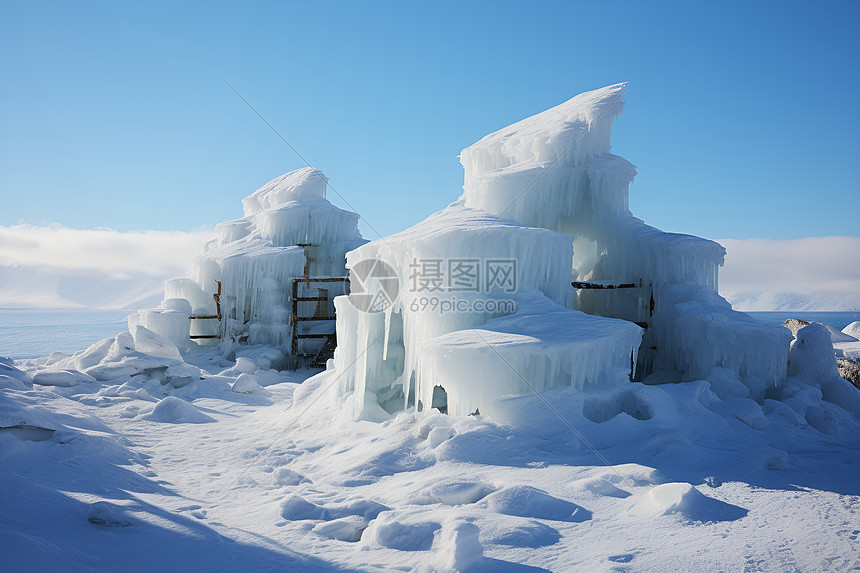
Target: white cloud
816, 273
57, 248
56, 266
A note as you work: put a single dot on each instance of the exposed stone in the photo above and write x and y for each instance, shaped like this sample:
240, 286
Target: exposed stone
794, 324
849, 370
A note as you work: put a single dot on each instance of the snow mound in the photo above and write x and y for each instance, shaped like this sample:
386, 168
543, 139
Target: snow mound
687, 501
403, 535
106, 514
13, 382
529, 534
123, 356
527, 501
246, 384
65, 378
8, 369
811, 354
175, 410
602, 408
245, 365
459, 493
602, 487
853, 329
297, 508
459, 547
286, 476
344, 529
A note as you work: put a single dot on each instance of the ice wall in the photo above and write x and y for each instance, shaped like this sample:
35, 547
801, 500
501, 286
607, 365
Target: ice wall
289, 230
169, 320
700, 332
540, 346
555, 170
395, 359
548, 193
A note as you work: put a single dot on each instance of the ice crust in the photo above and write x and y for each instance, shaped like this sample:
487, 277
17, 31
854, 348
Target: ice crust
255, 259
548, 193
380, 351
539, 347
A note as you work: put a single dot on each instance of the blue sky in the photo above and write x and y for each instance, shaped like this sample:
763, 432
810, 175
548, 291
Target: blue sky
742, 117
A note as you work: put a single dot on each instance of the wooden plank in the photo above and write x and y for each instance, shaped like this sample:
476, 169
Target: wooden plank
295, 319
587, 285
326, 352
322, 280
294, 347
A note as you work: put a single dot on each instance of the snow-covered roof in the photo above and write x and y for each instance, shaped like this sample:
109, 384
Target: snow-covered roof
302, 183
578, 128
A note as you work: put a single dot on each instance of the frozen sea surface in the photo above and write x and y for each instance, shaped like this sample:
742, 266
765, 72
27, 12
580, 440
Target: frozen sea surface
34, 333
837, 320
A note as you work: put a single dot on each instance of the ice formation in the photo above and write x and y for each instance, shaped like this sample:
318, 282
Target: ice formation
547, 194
289, 230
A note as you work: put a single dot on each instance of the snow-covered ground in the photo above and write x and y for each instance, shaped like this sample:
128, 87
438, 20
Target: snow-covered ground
738, 450
142, 476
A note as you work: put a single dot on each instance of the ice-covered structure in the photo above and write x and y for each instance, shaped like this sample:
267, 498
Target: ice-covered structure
289, 231
545, 205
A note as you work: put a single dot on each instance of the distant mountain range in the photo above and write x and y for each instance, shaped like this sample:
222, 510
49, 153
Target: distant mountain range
766, 300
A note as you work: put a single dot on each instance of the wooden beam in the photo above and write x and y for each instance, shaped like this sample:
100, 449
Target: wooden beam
588, 285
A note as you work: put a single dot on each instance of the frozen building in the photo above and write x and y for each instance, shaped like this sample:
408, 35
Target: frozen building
537, 277
268, 277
